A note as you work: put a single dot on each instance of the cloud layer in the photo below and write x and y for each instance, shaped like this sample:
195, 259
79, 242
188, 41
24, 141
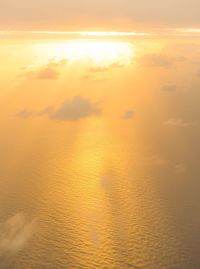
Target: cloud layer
84, 14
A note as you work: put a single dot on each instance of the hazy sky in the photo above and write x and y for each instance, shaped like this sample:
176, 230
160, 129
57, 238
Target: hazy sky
91, 14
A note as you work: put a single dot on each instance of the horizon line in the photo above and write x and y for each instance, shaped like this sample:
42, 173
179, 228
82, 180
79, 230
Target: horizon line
159, 32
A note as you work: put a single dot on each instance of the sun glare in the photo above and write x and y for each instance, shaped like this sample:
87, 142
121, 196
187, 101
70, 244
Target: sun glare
94, 51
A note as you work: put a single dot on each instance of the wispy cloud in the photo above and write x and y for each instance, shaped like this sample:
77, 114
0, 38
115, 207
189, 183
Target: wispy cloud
179, 122
73, 34
24, 114
14, 235
169, 88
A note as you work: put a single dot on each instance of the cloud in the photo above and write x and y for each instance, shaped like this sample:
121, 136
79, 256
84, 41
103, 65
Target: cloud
71, 110
93, 71
14, 235
111, 14
24, 114
92, 78
155, 60
75, 109
129, 114
169, 88
178, 122
105, 68
48, 71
